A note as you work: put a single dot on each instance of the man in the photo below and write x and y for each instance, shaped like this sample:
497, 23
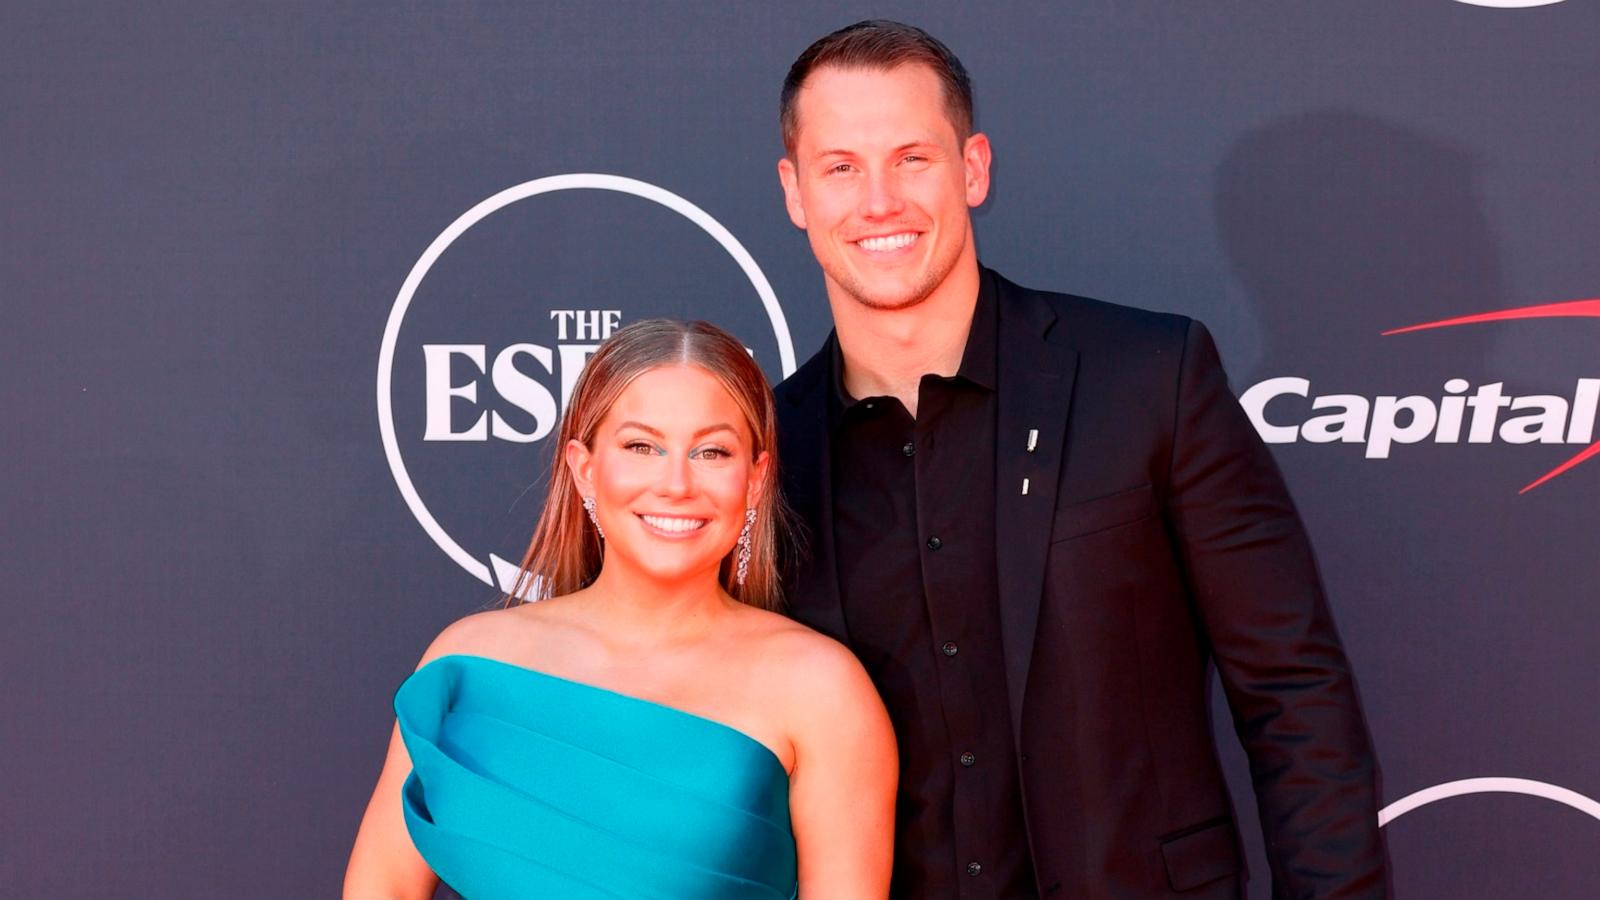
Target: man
1038, 519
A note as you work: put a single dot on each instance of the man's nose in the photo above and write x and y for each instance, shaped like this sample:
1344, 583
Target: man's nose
882, 197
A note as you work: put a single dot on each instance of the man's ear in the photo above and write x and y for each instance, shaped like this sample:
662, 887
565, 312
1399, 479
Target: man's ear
975, 157
789, 177
580, 462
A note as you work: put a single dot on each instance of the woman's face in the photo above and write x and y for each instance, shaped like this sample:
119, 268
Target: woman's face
672, 471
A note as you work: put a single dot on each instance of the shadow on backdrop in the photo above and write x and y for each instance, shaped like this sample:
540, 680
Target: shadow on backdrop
1341, 225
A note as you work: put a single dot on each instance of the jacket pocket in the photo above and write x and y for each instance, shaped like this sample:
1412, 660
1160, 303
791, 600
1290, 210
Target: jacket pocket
1201, 854
1103, 513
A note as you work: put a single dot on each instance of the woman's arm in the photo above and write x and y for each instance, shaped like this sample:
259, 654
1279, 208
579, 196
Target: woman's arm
383, 864
842, 788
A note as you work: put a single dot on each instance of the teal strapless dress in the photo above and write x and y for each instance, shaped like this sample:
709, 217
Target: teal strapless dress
528, 785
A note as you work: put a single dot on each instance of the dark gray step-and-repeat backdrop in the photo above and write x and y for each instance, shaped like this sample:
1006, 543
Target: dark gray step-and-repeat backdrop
291, 296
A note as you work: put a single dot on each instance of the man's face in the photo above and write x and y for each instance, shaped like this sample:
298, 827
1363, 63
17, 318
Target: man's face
882, 184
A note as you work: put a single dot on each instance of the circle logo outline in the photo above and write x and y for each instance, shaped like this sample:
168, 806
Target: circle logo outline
1490, 785
482, 210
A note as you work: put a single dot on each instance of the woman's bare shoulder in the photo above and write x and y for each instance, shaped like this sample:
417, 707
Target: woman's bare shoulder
824, 698
809, 668
504, 634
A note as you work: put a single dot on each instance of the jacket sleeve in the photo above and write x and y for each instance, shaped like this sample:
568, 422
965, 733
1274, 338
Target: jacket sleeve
1256, 591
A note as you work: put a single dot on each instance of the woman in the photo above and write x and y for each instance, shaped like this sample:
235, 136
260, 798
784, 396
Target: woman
649, 728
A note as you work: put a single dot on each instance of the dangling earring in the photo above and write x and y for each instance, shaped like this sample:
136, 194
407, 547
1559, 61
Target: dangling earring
588, 507
743, 568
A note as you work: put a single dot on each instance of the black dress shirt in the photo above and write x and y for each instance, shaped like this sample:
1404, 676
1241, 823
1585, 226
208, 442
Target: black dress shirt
914, 508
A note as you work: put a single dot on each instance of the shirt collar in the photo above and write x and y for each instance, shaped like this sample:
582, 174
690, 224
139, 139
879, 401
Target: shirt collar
978, 361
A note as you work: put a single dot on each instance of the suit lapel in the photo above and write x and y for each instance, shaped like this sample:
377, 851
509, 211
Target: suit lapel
808, 462
1036, 371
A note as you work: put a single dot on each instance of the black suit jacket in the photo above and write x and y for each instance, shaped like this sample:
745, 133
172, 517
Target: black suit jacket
1154, 538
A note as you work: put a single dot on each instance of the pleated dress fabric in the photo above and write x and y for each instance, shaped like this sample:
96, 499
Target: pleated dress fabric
526, 785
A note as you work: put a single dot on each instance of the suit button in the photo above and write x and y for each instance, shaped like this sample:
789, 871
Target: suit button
968, 758
934, 543
973, 868
950, 648
909, 449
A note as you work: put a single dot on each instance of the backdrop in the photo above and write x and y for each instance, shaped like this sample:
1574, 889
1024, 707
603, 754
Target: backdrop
291, 295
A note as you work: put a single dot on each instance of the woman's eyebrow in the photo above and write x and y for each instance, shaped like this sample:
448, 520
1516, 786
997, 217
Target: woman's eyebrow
720, 426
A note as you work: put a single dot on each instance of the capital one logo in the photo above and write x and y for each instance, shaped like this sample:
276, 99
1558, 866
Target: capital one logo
1459, 413
490, 329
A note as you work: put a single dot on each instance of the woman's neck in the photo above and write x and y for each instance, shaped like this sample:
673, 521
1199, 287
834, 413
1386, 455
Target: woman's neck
630, 607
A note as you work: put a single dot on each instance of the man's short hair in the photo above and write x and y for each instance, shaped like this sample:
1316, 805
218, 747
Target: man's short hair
881, 45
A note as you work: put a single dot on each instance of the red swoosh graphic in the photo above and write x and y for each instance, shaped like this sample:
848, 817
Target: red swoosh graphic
1594, 449
1569, 309
1565, 310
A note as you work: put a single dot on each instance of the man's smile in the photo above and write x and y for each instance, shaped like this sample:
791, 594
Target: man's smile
888, 243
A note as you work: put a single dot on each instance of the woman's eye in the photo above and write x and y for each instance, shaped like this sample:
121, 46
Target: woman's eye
640, 447
712, 453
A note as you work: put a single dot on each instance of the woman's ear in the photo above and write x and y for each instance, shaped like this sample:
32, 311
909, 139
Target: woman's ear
758, 480
580, 462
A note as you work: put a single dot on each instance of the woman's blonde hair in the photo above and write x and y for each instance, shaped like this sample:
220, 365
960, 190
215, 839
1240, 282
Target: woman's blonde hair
565, 553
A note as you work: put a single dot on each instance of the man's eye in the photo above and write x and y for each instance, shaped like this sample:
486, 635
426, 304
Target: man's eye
839, 169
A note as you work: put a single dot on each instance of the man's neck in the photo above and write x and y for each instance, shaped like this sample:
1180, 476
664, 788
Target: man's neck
886, 352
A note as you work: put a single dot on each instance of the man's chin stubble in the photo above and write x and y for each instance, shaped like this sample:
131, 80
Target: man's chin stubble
923, 290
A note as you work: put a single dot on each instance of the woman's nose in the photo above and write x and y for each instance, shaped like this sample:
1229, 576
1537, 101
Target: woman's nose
676, 477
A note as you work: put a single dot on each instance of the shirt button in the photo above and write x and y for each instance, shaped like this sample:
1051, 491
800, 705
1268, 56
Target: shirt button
968, 758
909, 449
973, 868
949, 648
934, 543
